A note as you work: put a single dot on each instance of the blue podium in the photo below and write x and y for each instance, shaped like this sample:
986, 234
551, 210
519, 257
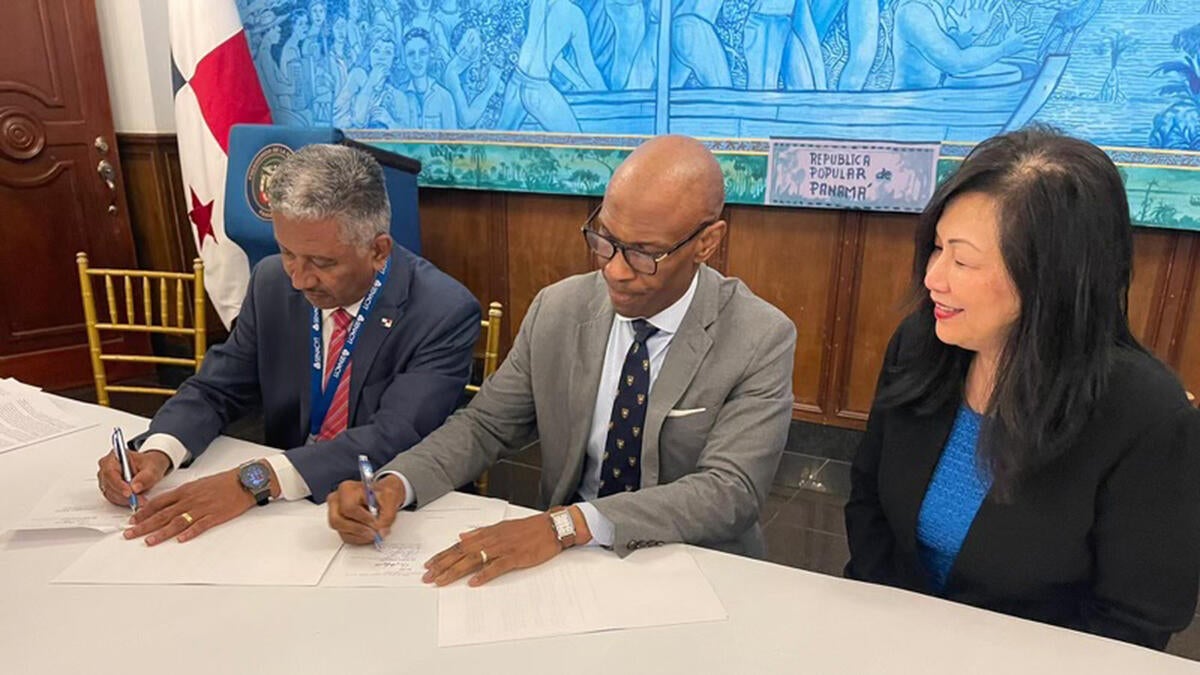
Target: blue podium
255, 151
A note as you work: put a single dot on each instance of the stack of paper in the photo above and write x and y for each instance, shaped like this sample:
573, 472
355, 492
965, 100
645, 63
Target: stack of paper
28, 416
581, 590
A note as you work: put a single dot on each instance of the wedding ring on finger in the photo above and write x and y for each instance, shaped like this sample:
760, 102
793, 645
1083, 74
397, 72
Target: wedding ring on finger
187, 517
483, 557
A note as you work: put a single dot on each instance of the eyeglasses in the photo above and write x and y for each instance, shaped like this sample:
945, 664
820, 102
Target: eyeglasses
643, 262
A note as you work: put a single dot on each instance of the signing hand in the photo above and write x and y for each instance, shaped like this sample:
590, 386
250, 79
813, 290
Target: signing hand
348, 512
190, 509
497, 549
148, 468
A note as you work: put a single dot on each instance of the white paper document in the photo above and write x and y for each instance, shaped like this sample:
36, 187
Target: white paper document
256, 549
416, 536
76, 503
28, 416
580, 591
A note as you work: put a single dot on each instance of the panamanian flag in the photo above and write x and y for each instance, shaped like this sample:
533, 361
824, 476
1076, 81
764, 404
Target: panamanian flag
216, 87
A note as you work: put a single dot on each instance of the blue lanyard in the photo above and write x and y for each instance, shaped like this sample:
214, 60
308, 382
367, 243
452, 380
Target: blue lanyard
322, 397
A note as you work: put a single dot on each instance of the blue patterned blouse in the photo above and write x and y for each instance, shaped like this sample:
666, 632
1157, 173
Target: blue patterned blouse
955, 494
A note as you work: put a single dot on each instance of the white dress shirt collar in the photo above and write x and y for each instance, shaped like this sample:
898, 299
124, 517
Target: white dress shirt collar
668, 320
351, 309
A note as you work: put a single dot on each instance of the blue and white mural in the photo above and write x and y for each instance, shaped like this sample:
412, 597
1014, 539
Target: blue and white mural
596, 74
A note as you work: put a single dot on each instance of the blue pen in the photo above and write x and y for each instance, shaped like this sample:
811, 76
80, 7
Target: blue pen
118, 445
367, 473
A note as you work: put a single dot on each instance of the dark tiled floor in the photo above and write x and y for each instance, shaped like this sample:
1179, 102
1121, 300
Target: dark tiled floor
802, 519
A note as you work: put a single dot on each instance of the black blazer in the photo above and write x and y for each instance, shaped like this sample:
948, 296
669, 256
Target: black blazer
1106, 539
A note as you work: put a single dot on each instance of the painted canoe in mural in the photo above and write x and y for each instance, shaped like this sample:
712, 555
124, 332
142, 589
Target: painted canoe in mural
1002, 97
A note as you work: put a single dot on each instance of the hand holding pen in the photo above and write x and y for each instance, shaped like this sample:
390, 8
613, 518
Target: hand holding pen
367, 473
122, 453
125, 475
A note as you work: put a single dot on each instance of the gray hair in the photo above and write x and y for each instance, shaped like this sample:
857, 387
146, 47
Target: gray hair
333, 181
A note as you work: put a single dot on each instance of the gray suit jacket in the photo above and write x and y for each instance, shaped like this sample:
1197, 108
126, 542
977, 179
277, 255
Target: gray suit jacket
704, 475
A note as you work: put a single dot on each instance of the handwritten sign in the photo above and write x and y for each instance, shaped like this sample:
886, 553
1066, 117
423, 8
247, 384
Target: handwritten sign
851, 175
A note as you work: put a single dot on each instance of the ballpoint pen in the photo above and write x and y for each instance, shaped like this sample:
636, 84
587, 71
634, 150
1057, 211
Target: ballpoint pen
367, 473
118, 445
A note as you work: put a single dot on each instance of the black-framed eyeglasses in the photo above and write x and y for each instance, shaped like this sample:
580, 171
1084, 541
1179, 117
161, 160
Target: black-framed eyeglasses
642, 262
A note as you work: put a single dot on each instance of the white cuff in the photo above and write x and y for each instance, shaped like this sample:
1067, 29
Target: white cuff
169, 446
602, 528
292, 485
409, 497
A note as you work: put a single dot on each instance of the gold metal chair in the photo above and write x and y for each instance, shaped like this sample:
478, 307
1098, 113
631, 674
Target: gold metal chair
491, 361
491, 349
164, 326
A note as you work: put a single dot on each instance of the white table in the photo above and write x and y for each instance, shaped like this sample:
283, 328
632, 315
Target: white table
780, 619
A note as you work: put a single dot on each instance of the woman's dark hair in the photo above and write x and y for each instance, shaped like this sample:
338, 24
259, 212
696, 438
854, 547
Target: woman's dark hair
1067, 244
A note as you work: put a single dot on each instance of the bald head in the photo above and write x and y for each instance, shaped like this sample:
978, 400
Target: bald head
669, 175
665, 201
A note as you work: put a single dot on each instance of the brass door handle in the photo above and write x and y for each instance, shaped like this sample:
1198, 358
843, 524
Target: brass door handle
108, 174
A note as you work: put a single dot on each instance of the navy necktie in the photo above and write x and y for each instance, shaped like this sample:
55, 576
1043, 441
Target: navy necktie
621, 468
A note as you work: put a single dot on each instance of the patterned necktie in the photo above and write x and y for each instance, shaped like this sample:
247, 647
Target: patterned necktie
621, 469
339, 409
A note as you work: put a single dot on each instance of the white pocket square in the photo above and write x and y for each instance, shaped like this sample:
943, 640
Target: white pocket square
684, 412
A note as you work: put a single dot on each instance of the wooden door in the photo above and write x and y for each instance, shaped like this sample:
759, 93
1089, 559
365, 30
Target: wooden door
60, 189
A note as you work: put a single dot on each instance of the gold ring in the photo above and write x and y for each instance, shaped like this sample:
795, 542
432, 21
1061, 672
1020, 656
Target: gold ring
187, 517
483, 556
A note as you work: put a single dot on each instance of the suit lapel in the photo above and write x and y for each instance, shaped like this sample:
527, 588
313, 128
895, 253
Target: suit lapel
684, 356
588, 344
920, 443
378, 325
297, 337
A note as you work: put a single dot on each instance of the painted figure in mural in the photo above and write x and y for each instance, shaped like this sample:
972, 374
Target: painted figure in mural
695, 47
420, 16
296, 97
341, 58
448, 14
369, 95
553, 26
768, 38
470, 79
356, 26
628, 19
644, 69
931, 40
432, 106
862, 32
268, 31
315, 52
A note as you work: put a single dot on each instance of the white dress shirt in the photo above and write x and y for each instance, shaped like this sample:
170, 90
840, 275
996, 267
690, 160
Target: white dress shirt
292, 485
620, 339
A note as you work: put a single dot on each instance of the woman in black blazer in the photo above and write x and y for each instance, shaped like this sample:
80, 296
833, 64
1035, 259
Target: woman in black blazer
1025, 454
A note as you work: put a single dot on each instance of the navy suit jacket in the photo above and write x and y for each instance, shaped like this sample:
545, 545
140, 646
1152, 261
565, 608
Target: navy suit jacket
411, 363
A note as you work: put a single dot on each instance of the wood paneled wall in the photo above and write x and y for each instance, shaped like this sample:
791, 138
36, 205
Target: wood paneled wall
162, 233
842, 276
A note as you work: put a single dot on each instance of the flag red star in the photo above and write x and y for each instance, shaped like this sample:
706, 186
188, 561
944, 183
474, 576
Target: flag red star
201, 217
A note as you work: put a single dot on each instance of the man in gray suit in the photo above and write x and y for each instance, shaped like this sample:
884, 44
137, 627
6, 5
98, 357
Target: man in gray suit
660, 392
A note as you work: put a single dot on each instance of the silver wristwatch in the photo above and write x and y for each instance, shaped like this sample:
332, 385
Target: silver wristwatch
564, 526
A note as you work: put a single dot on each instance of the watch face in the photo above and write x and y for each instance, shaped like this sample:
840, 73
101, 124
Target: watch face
563, 525
254, 476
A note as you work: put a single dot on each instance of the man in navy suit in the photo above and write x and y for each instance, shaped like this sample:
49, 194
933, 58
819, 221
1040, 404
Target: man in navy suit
351, 345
